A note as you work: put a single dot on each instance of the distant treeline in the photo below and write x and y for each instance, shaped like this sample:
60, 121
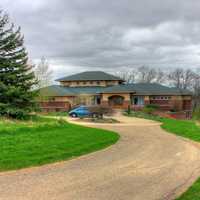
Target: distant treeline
181, 78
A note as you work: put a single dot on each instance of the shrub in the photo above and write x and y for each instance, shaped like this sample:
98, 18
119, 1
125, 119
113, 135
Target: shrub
140, 114
150, 108
172, 110
13, 112
62, 121
129, 110
100, 111
196, 113
154, 106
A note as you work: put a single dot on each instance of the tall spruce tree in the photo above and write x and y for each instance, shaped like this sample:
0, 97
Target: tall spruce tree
16, 76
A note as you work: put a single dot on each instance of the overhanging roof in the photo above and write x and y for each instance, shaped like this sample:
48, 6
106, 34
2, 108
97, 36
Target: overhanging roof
138, 89
146, 89
90, 76
58, 90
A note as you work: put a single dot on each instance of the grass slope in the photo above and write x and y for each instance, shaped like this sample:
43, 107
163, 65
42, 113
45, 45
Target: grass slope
25, 144
193, 192
185, 128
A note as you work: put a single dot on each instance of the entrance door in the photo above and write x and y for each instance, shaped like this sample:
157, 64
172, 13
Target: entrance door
116, 101
97, 100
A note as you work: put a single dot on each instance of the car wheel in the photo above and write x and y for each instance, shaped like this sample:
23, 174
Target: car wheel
74, 115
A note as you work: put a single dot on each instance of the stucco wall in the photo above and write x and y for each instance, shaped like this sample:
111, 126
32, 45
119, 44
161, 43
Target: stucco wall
76, 100
88, 83
175, 102
69, 99
126, 96
83, 83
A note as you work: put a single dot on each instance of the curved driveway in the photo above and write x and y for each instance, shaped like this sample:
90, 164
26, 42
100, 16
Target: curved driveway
146, 164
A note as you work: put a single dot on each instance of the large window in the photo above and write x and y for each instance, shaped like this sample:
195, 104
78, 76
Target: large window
138, 100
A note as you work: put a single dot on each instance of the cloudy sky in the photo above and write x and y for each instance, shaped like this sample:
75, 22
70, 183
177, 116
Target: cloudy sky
110, 35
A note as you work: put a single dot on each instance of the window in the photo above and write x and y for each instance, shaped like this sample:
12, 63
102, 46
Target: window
160, 98
77, 83
84, 83
51, 98
97, 100
110, 83
91, 82
138, 100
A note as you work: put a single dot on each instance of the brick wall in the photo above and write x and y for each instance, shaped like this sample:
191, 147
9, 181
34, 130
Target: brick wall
187, 104
54, 106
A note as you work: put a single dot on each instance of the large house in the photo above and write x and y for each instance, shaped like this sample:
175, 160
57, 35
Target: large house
100, 88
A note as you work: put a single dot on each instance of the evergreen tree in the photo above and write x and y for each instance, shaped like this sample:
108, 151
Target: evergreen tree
17, 79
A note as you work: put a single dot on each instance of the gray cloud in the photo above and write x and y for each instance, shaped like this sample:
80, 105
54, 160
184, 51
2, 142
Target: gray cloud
99, 34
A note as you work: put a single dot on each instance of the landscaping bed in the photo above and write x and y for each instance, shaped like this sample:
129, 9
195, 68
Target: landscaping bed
99, 120
45, 140
143, 115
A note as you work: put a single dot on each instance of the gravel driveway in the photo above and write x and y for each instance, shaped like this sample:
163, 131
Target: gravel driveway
146, 164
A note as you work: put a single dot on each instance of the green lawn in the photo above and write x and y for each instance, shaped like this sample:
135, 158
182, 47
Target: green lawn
43, 140
193, 192
57, 114
185, 128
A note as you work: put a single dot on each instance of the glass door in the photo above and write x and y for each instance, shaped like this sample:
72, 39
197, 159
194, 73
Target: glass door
138, 100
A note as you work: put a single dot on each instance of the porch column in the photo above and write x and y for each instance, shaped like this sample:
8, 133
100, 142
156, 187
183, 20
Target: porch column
127, 100
104, 100
146, 100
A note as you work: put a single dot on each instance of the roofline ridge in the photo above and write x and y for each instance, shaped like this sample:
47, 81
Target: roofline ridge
95, 71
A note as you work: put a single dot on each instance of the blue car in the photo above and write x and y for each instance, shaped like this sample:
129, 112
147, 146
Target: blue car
81, 111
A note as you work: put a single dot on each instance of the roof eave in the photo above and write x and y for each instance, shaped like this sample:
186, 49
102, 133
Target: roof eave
63, 80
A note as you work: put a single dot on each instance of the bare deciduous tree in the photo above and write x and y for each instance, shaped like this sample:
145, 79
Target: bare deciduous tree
43, 73
143, 74
160, 76
188, 78
182, 78
146, 74
128, 76
175, 77
196, 89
